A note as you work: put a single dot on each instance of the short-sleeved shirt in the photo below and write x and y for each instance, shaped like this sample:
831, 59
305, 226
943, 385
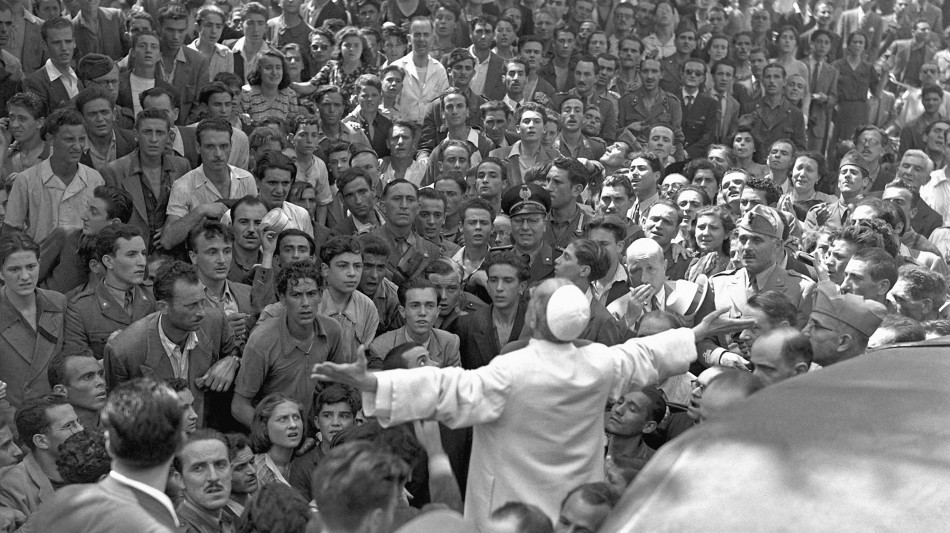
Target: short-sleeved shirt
359, 319
274, 361
316, 174
40, 202
195, 189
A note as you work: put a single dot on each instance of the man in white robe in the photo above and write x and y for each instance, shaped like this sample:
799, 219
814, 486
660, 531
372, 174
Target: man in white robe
537, 412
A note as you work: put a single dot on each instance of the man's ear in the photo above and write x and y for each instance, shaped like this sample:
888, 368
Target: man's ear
883, 287
845, 342
801, 368
59, 390
40, 441
325, 270
522, 287
106, 261
162, 306
927, 305
650, 427
192, 256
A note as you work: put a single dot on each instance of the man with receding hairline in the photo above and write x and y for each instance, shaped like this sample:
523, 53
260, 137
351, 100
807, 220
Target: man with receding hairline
780, 354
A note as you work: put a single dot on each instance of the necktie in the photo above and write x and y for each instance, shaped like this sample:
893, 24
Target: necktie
815, 71
753, 286
129, 297
654, 304
689, 101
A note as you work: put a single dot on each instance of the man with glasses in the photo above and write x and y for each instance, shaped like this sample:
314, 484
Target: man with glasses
700, 112
870, 144
43, 424
527, 206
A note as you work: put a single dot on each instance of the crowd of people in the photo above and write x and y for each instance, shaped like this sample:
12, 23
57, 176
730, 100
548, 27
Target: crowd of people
422, 265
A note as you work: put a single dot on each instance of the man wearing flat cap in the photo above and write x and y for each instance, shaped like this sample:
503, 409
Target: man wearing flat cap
527, 206
517, 400
101, 70
760, 239
841, 324
853, 179
460, 66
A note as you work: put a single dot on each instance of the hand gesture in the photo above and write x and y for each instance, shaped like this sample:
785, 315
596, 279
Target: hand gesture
427, 432
214, 210
821, 269
715, 324
6, 138
639, 296
220, 376
733, 360
787, 205
268, 241
353, 374
681, 252
822, 214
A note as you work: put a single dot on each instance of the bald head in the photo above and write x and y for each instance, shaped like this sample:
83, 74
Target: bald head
646, 264
725, 391
780, 354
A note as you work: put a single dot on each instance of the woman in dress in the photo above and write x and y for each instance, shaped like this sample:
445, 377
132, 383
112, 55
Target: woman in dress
855, 77
268, 91
807, 171
276, 431
712, 229
31, 322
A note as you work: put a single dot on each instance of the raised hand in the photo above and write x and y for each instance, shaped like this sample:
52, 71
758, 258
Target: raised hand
353, 374
715, 324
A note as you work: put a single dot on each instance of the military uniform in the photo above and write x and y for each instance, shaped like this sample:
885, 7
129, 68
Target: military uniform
770, 124
529, 199
607, 107
94, 314
411, 262
592, 148
562, 233
665, 111
468, 303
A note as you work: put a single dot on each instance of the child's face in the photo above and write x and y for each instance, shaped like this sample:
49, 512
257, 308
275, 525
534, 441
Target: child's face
306, 138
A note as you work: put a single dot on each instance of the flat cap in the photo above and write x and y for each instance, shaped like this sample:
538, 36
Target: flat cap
763, 220
862, 315
92, 66
526, 199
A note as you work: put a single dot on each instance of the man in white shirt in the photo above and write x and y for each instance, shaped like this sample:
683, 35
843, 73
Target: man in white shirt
56, 82
200, 193
936, 192
426, 78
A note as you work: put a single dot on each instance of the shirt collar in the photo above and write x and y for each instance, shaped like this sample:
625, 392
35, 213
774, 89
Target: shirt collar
90, 146
190, 342
207, 521
151, 491
46, 172
54, 73
762, 277
292, 342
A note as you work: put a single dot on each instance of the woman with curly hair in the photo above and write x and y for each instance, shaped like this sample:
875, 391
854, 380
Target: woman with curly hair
277, 430
354, 58
268, 91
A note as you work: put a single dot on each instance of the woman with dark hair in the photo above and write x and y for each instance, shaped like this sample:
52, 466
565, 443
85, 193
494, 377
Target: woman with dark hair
31, 322
712, 229
355, 58
807, 171
746, 149
277, 430
506, 38
268, 91
718, 48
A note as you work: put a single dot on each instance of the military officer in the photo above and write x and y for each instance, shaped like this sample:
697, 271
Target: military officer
650, 106
527, 205
759, 237
774, 117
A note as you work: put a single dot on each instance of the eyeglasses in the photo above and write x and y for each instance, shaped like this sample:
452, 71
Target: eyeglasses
867, 141
532, 220
692, 72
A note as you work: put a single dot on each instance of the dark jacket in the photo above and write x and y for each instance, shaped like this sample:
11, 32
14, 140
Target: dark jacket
478, 342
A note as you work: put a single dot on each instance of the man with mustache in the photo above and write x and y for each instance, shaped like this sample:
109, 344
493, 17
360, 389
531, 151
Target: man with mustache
205, 469
93, 315
244, 484
585, 74
759, 237
202, 193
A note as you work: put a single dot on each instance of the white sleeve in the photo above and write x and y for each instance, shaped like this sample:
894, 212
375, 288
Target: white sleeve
650, 360
453, 396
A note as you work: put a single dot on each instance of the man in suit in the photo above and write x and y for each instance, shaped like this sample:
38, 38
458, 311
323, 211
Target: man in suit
100, 30
183, 68
489, 66
823, 83
184, 339
43, 423
104, 141
419, 307
724, 73
25, 36
460, 67
93, 315
56, 82
864, 18
483, 333
760, 236
905, 57
700, 112
148, 165
145, 424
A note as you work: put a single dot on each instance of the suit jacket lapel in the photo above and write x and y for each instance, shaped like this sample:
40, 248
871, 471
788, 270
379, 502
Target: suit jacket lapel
133, 184
51, 321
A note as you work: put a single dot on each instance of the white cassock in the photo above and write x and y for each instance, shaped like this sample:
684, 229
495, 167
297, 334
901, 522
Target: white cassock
537, 412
